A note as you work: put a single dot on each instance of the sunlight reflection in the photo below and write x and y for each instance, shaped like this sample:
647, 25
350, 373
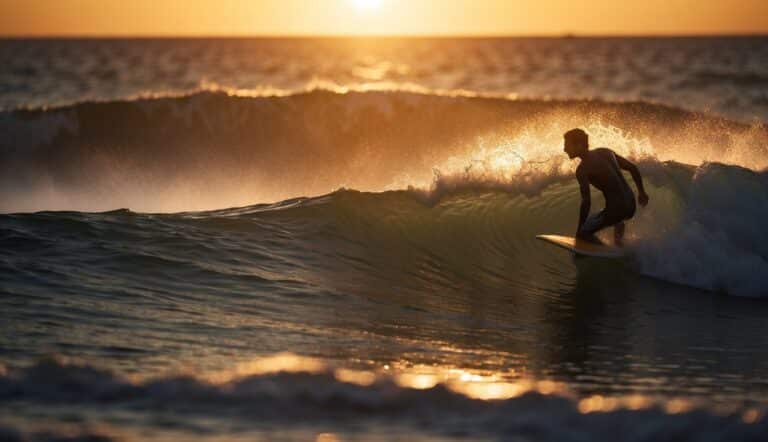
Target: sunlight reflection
363, 378
548, 387
281, 362
482, 385
636, 402
327, 437
750, 416
491, 390
676, 406
491, 386
418, 381
598, 403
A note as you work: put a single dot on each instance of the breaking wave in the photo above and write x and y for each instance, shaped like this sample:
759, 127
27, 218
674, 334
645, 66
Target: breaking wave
288, 388
215, 149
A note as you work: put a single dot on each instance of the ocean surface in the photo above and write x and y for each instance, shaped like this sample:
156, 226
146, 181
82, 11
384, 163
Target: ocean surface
334, 240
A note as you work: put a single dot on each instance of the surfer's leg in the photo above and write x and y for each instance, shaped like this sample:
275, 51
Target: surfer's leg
618, 216
591, 226
618, 233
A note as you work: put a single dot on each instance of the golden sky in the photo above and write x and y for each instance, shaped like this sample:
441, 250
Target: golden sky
334, 17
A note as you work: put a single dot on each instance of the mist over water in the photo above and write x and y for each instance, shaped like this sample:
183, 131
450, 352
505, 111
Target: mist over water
289, 239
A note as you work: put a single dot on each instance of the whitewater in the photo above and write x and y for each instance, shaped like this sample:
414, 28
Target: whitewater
344, 249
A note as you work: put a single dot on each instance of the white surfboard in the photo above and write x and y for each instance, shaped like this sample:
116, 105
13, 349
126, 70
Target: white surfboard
581, 247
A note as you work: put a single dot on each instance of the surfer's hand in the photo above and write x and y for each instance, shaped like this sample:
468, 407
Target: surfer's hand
642, 199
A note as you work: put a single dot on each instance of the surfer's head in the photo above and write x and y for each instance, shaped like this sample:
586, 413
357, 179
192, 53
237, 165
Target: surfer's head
576, 143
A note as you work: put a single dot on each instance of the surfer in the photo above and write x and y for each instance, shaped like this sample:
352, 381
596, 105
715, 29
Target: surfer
601, 168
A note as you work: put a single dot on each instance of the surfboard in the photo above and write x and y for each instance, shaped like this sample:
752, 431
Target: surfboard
581, 247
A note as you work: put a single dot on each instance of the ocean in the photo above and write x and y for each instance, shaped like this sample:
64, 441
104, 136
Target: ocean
333, 239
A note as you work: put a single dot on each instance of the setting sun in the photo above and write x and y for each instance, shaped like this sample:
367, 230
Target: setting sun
377, 17
367, 4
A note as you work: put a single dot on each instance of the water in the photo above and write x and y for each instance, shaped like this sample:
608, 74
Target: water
334, 240
727, 76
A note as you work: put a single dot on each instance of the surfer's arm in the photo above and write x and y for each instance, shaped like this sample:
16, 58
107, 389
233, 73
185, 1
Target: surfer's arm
627, 165
586, 199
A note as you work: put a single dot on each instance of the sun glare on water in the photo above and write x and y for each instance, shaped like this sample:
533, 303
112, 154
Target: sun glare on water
367, 5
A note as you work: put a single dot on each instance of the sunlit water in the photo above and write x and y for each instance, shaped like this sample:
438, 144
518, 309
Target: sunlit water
727, 76
413, 304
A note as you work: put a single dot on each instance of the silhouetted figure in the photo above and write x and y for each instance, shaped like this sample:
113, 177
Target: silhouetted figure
600, 168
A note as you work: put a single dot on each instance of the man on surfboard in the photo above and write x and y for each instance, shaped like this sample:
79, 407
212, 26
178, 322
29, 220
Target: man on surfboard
602, 169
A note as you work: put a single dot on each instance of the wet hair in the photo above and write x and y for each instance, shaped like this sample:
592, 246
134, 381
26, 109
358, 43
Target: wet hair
578, 136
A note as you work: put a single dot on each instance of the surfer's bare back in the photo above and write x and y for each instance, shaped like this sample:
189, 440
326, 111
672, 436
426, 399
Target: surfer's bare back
601, 168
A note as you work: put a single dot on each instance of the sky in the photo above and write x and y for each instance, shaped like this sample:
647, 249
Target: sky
390, 17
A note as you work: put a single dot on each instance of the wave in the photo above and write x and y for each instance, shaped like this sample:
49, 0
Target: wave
215, 149
486, 173
703, 228
288, 388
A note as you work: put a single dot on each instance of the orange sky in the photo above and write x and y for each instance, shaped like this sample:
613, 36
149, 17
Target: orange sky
302, 17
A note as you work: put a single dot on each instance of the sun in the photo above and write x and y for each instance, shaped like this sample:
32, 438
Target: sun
367, 5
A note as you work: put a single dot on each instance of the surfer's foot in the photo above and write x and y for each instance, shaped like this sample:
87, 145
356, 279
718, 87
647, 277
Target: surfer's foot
618, 234
590, 238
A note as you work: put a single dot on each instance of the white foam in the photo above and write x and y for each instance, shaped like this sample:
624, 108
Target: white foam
720, 242
313, 393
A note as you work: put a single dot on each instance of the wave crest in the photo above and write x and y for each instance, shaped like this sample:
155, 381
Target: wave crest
211, 149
